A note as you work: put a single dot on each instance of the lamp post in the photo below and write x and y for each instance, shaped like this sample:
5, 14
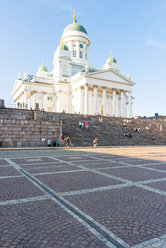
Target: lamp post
30, 77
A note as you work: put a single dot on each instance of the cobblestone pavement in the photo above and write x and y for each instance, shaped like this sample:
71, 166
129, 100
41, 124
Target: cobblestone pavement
91, 198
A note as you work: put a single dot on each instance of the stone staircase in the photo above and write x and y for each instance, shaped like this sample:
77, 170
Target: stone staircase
110, 131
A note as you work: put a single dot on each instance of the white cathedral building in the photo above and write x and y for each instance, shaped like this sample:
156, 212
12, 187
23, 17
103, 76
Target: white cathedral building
74, 86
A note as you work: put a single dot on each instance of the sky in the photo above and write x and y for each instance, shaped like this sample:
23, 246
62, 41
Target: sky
135, 32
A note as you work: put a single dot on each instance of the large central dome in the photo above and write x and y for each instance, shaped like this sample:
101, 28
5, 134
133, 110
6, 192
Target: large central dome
75, 27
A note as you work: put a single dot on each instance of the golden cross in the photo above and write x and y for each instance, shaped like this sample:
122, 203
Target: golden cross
74, 15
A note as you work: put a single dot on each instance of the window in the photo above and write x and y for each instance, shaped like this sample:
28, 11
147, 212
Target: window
86, 56
74, 53
49, 98
81, 54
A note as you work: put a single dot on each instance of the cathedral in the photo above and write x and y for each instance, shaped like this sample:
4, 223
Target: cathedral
73, 85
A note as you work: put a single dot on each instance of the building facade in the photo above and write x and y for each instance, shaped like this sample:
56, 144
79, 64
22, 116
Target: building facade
74, 86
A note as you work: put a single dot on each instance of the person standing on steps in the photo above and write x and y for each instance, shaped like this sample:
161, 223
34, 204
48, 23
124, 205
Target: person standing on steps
86, 125
68, 141
82, 124
95, 141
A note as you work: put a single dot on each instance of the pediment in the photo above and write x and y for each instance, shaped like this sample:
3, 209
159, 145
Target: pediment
17, 84
110, 75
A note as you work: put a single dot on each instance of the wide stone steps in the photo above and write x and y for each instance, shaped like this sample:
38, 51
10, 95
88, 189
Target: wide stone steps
110, 131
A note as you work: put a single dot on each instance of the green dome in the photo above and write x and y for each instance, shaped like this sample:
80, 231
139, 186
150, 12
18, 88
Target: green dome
63, 47
43, 68
111, 60
75, 27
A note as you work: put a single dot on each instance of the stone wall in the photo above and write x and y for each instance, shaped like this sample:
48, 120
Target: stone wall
21, 128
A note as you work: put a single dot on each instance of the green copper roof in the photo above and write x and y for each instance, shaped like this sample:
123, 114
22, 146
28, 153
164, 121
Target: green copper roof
43, 68
111, 60
63, 47
75, 27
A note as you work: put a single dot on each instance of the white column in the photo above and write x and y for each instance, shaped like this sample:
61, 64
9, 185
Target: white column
95, 99
34, 99
86, 99
125, 105
104, 101
122, 103
25, 98
79, 97
114, 102
130, 104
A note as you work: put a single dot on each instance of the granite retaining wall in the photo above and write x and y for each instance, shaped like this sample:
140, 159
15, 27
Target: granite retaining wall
21, 128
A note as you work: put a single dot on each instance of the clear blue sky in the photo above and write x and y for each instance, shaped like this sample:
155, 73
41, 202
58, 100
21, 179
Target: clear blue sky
134, 30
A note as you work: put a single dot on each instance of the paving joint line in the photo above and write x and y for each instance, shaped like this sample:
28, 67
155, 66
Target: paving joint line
100, 231
84, 217
128, 182
25, 200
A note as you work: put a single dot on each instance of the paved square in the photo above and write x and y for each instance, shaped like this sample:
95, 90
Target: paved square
128, 212
134, 174
78, 198
43, 224
76, 181
17, 188
8, 171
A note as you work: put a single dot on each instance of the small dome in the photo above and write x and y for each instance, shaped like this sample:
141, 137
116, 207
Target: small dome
63, 47
42, 68
111, 59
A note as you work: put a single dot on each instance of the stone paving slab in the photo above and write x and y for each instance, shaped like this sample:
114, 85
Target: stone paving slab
3, 162
127, 207
134, 174
43, 165
76, 158
76, 181
51, 169
157, 166
158, 185
32, 160
8, 171
139, 161
16, 188
133, 214
43, 224
53, 163
99, 164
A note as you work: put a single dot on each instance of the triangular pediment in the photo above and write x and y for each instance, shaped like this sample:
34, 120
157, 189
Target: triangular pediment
111, 76
17, 84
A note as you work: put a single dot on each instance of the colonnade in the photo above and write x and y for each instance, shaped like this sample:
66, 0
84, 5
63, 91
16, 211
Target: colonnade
120, 99
28, 101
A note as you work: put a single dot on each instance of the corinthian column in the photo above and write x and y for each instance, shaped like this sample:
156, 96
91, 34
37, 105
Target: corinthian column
104, 101
86, 99
130, 104
95, 99
122, 103
114, 102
